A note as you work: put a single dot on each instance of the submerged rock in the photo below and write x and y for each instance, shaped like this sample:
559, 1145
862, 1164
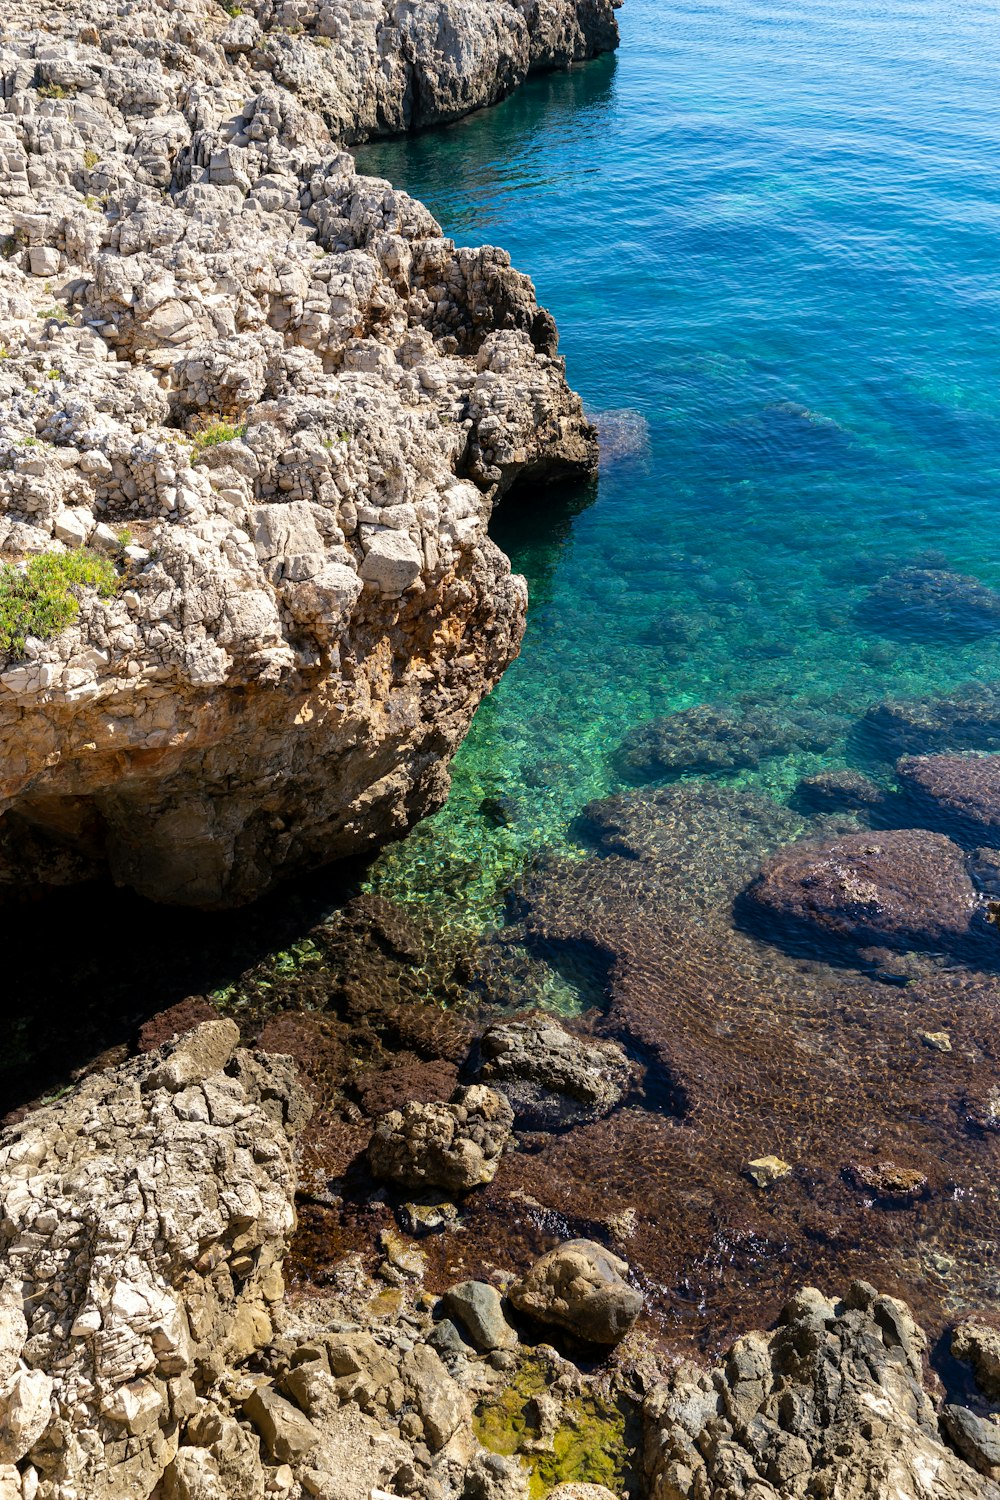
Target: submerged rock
456, 1146
901, 889
929, 602
716, 738
838, 791
959, 794
551, 1078
979, 1343
966, 719
580, 1287
832, 1402
281, 405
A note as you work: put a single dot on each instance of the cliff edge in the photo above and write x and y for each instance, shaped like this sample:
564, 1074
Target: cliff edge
269, 407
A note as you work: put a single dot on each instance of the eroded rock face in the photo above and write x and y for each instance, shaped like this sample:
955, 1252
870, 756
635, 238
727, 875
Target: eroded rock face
831, 1403
285, 405
144, 1222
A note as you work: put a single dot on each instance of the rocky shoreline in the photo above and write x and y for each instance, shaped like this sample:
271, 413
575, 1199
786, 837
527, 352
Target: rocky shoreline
148, 1347
273, 408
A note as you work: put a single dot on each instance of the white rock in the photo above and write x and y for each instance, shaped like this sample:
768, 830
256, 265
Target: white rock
392, 560
44, 260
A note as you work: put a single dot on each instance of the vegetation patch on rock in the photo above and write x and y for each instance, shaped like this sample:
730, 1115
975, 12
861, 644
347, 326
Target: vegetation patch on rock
42, 596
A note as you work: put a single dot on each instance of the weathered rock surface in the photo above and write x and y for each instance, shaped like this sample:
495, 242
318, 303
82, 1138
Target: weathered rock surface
979, 1343
901, 889
832, 1403
457, 1145
144, 1222
580, 1287
284, 403
549, 1077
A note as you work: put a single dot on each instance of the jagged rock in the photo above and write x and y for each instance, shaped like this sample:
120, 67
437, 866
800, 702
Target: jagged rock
580, 1492
976, 1438
477, 1306
550, 1077
581, 1288
958, 794
145, 1215
980, 1344
901, 889
284, 404
831, 1403
457, 1145
288, 1436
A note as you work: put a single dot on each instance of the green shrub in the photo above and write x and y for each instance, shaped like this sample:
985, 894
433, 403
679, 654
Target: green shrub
215, 433
44, 598
91, 158
52, 91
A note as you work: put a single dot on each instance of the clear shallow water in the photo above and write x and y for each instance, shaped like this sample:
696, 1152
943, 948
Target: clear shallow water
772, 232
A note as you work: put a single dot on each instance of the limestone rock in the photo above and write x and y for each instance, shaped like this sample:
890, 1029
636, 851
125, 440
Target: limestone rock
581, 1288
980, 1344
284, 404
457, 1145
830, 1403
550, 1077
287, 1434
147, 1223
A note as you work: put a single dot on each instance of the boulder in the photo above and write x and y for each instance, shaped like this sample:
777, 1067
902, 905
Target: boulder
901, 889
477, 1307
287, 1435
456, 1146
831, 1402
580, 1287
550, 1077
838, 791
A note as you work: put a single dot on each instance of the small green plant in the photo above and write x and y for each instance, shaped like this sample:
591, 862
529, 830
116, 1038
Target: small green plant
91, 158
233, 10
29, 442
42, 598
214, 434
54, 375
125, 538
8, 245
345, 437
52, 91
4, 352
53, 312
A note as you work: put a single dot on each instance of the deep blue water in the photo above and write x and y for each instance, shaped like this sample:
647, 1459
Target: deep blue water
772, 232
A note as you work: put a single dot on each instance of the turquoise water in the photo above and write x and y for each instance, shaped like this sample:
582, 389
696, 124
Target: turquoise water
772, 232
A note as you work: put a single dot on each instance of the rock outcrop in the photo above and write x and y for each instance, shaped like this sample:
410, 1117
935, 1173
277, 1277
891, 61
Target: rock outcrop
832, 1403
144, 1221
282, 404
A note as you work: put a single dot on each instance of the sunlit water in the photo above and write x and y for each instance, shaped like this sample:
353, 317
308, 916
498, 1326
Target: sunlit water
772, 233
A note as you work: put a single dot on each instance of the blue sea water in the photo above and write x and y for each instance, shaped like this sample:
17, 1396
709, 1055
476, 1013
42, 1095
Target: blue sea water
771, 232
